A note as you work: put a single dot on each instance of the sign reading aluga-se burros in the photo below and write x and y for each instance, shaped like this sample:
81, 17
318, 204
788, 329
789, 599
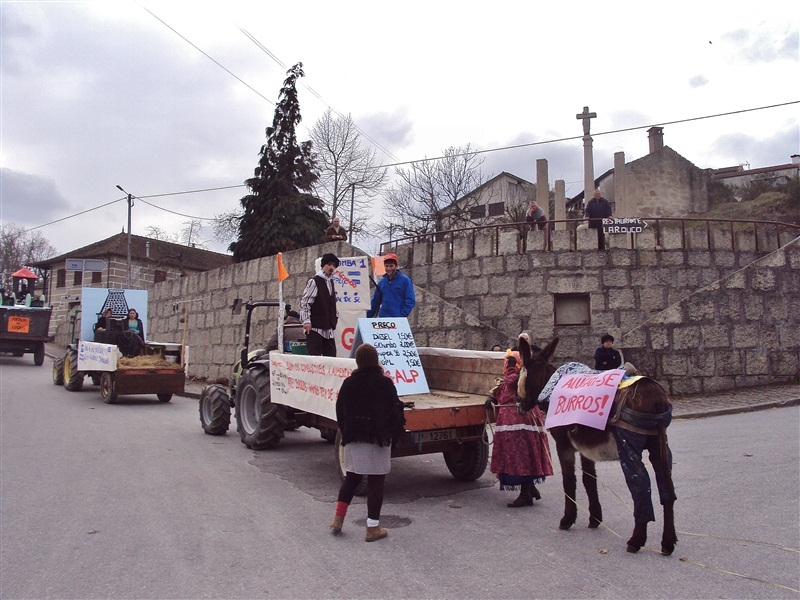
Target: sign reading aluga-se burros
583, 398
624, 225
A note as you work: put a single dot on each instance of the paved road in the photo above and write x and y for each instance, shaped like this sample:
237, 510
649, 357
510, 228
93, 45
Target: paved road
133, 501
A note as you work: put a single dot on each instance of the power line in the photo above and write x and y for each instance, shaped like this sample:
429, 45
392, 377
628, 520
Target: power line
83, 212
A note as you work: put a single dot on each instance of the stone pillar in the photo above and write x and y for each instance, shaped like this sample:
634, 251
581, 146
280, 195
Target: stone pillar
588, 159
542, 186
622, 204
561, 204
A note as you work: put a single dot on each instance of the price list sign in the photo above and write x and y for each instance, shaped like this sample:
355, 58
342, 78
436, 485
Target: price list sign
397, 352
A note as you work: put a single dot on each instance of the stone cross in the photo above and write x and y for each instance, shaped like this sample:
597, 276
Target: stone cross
588, 159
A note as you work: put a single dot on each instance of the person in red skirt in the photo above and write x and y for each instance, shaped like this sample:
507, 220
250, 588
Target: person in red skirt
520, 451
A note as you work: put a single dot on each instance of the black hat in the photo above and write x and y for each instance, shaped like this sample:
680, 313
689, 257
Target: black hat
607, 338
330, 258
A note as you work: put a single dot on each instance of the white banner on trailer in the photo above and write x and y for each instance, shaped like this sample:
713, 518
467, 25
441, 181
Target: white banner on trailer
97, 357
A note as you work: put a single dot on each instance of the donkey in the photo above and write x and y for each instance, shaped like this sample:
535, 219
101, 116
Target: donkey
643, 412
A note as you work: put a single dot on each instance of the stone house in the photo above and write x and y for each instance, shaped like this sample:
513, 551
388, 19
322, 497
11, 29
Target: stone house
735, 177
498, 199
152, 261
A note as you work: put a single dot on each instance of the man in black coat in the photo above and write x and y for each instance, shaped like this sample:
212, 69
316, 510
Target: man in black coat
598, 209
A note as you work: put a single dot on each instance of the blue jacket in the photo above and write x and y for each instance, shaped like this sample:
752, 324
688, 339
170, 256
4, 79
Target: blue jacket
393, 297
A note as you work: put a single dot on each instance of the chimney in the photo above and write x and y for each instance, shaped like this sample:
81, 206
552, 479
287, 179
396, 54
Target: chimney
656, 137
796, 159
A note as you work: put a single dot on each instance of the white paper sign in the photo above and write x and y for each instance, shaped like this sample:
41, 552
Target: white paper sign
97, 357
397, 352
308, 383
584, 398
351, 285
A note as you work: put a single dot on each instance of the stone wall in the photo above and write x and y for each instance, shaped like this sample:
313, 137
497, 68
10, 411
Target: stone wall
665, 184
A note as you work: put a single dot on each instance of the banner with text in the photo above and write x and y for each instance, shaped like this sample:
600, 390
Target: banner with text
583, 398
397, 351
97, 357
308, 383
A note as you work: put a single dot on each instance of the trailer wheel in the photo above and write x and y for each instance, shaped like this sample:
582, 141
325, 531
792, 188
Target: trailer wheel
38, 355
73, 379
164, 397
58, 371
361, 490
468, 461
260, 422
215, 409
108, 387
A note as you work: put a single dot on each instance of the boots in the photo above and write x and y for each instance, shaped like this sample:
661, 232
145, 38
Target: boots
527, 492
375, 533
336, 525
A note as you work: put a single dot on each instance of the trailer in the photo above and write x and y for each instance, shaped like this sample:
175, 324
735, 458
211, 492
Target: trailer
24, 330
451, 419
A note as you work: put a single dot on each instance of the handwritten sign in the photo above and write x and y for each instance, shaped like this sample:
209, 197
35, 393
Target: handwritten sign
397, 352
583, 398
19, 324
97, 357
351, 286
308, 383
624, 225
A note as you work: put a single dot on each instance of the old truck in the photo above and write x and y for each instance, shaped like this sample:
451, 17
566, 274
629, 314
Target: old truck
24, 330
451, 418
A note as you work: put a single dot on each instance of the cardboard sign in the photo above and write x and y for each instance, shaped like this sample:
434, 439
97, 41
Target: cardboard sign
97, 357
397, 352
19, 325
308, 383
583, 398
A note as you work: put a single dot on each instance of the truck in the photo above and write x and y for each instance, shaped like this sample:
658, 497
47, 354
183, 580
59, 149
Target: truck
24, 330
450, 419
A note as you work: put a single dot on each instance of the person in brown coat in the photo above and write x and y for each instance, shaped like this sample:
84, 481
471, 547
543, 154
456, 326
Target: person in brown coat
335, 232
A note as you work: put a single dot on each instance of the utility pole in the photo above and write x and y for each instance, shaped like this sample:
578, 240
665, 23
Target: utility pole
130, 205
352, 202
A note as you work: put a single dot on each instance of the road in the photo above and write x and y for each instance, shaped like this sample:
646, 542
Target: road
132, 500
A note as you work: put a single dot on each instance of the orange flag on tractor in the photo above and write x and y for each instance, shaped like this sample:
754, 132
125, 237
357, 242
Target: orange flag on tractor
282, 272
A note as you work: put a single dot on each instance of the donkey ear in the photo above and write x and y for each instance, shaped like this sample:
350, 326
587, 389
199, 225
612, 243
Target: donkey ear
524, 348
547, 353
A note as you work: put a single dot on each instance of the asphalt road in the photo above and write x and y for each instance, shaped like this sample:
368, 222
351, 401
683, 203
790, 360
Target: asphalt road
132, 500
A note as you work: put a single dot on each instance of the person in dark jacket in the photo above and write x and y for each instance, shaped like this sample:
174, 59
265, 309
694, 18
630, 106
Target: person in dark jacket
598, 209
370, 417
606, 357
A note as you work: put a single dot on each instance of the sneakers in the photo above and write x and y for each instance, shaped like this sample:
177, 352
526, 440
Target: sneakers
375, 533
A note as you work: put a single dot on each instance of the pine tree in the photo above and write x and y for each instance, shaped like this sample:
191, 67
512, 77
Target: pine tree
280, 214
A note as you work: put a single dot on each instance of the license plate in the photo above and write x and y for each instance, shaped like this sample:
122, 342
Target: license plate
19, 324
440, 435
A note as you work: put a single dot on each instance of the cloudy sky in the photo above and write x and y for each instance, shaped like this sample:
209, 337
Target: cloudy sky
100, 94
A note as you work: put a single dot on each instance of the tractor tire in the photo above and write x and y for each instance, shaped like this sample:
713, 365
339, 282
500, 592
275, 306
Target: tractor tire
164, 397
108, 388
58, 371
38, 355
260, 423
468, 461
215, 409
361, 489
73, 379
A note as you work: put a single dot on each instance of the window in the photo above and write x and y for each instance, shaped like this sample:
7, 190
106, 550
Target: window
572, 309
496, 209
77, 278
61, 278
97, 277
159, 276
477, 212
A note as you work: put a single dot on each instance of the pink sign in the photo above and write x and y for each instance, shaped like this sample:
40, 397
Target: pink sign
583, 398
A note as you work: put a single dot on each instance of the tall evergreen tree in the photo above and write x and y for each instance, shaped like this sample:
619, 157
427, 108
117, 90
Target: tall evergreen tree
280, 214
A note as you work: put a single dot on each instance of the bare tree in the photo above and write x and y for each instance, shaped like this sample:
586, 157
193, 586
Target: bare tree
425, 199
21, 248
349, 173
188, 236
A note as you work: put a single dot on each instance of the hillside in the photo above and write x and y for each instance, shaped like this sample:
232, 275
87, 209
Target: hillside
781, 204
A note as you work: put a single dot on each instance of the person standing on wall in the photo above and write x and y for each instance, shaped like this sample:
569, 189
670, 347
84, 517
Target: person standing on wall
606, 356
318, 310
370, 417
335, 232
598, 209
394, 293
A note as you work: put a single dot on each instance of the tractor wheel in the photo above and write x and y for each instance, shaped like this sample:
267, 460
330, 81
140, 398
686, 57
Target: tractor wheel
73, 379
361, 490
260, 422
108, 388
58, 371
164, 397
215, 409
468, 461
38, 355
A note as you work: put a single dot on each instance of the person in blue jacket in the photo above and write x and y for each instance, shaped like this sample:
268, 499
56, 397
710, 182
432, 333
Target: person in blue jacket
394, 295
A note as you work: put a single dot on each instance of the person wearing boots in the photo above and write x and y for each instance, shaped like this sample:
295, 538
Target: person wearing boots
370, 417
318, 311
521, 452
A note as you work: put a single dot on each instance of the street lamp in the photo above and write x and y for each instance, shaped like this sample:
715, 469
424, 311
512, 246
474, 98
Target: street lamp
130, 204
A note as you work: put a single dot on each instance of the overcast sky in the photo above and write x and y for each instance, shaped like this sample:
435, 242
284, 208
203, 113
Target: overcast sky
100, 94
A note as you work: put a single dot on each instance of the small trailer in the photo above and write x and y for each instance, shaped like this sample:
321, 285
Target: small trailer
450, 419
24, 330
